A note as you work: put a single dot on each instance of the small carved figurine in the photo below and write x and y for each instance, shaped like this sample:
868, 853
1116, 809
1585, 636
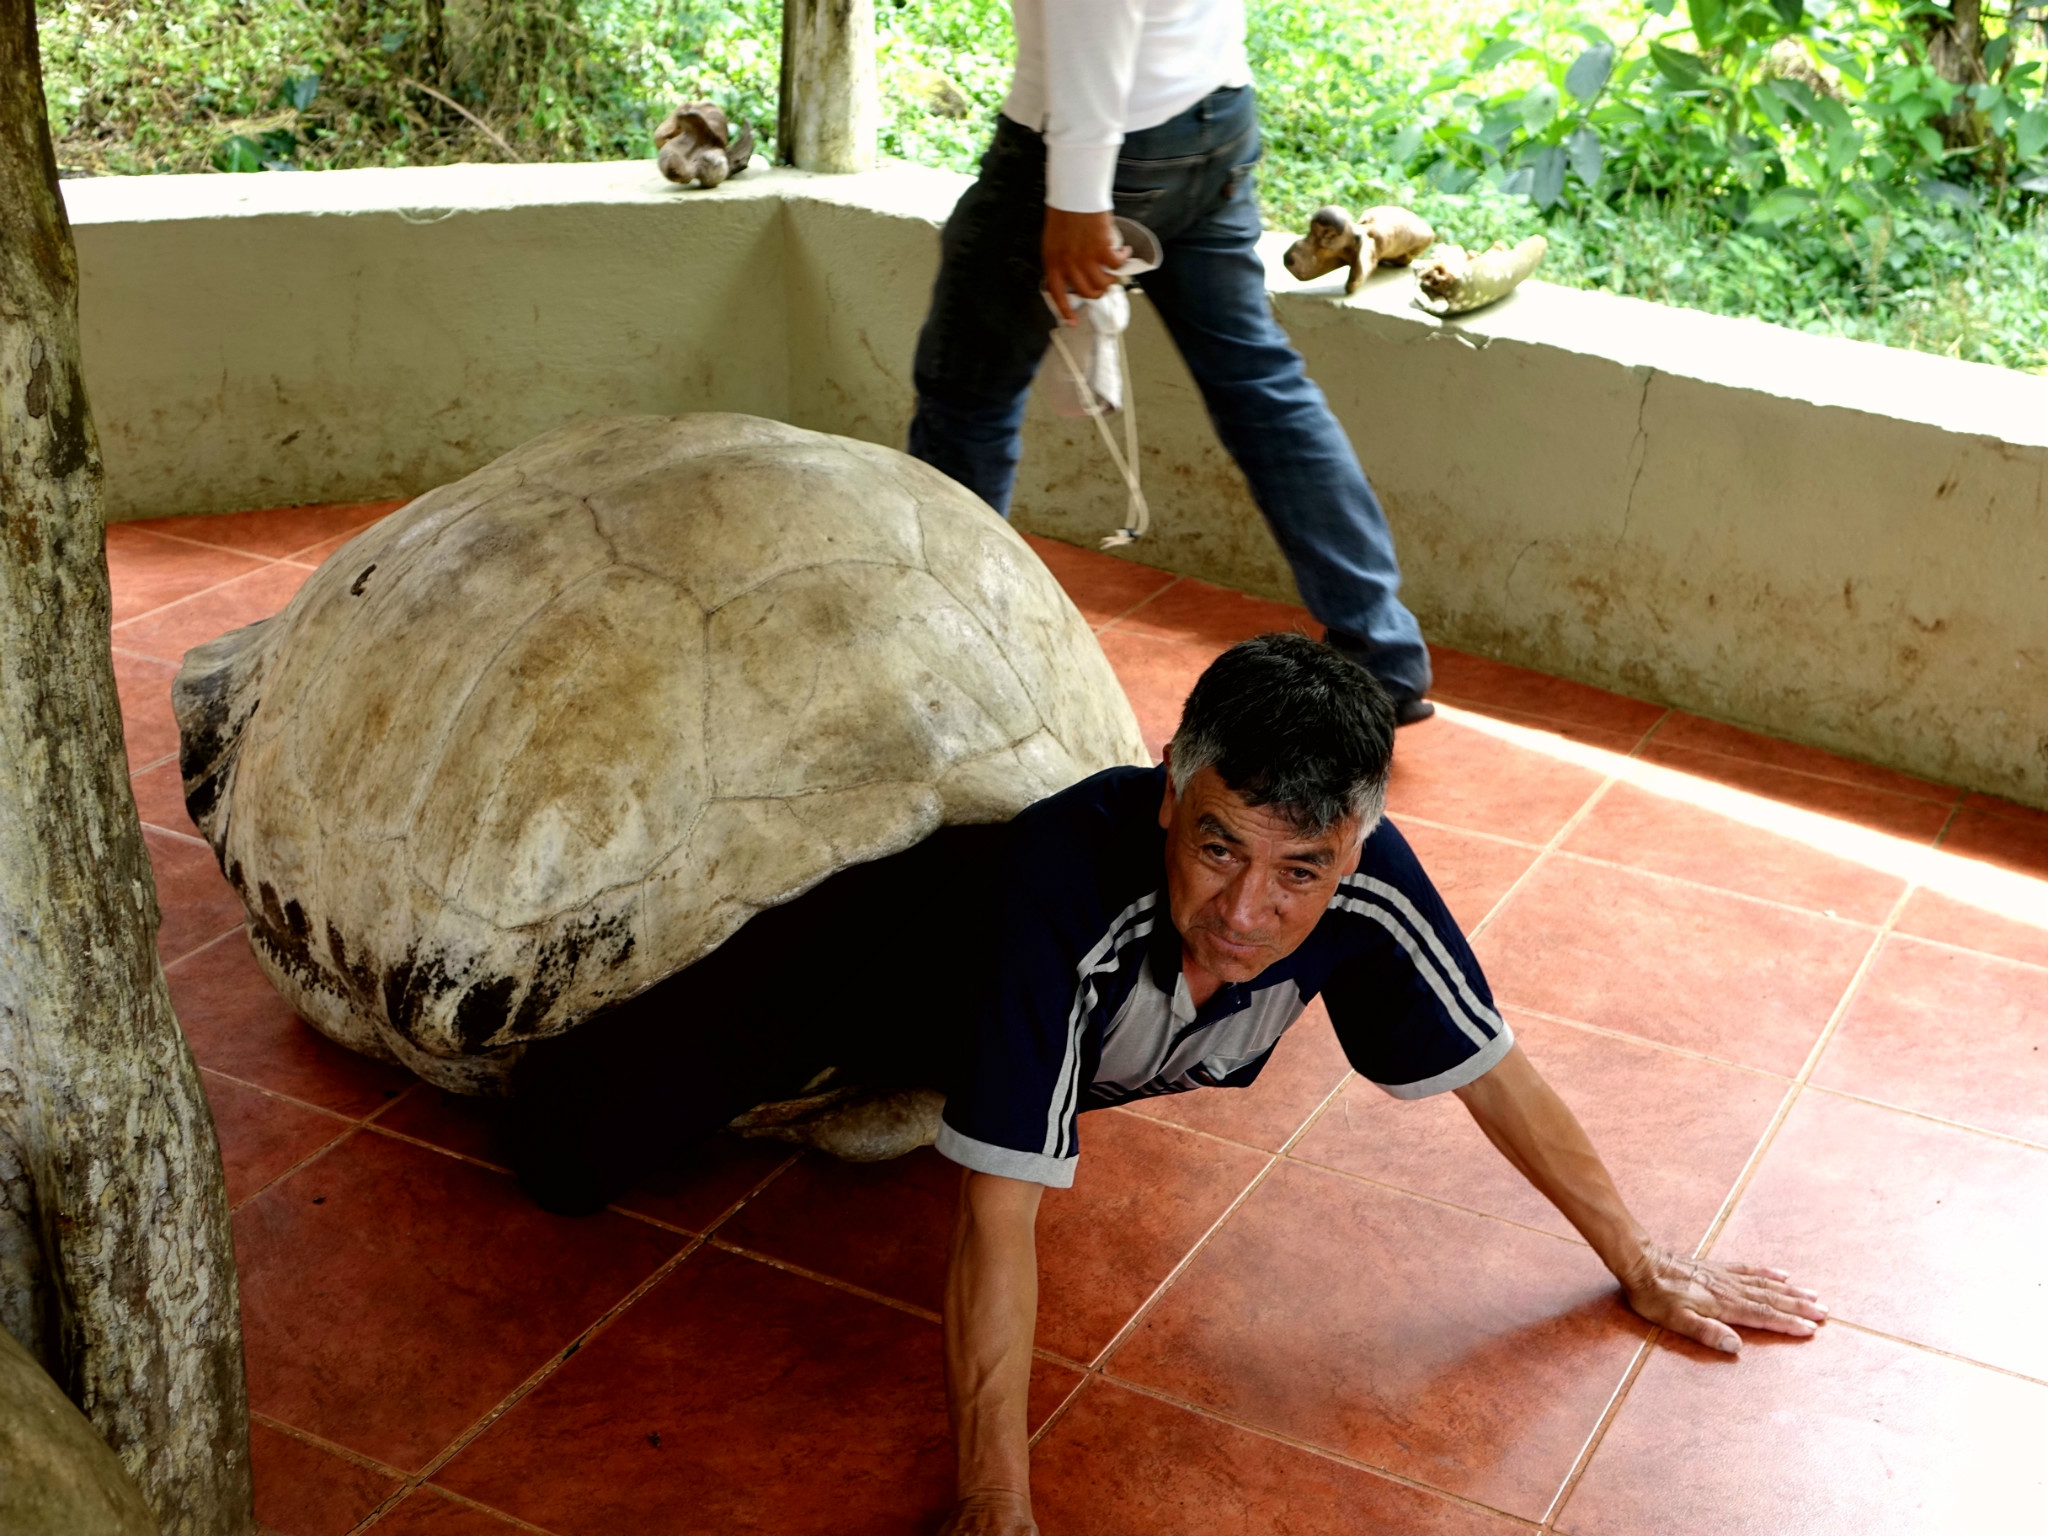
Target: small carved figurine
1384, 236
697, 143
1453, 281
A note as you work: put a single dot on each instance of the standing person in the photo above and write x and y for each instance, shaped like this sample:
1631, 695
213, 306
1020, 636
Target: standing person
1144, 108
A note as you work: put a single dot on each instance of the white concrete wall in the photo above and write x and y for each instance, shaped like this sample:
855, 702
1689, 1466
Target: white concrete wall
1826, 540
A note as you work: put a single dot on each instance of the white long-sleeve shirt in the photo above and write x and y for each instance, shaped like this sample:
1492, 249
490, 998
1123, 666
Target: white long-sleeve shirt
1091, 71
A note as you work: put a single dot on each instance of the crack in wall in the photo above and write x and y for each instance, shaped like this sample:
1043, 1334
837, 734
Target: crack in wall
1639, 450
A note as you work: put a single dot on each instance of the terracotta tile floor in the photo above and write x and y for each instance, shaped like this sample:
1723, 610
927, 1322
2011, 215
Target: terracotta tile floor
1800, 1000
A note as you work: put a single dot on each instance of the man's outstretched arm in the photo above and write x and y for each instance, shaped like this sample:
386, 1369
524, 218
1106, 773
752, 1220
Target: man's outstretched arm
1534, 1129
991, 1318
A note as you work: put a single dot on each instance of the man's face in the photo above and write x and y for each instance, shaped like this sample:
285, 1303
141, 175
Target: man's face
1245, 887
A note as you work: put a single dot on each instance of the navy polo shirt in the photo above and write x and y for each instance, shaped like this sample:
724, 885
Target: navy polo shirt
1085, 1005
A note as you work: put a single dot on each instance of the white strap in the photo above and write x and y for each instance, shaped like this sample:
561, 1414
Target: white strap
1126, 461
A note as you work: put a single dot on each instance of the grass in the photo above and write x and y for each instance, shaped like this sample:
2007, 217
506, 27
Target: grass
146, 86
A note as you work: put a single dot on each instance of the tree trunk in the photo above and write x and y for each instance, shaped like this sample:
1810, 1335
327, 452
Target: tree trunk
831, 111
1955, 48
116, 1263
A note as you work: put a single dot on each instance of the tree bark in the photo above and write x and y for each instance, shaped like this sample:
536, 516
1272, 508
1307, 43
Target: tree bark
116, 1261
830, 113
1955, 47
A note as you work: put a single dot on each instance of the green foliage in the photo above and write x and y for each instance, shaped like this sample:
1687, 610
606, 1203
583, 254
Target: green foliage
140, 86
1762, 157
1739, 156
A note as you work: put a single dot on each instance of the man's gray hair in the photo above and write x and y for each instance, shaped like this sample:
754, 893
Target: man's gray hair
1288, 722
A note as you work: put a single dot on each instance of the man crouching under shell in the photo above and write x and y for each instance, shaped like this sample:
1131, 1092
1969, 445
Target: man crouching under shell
1148, 931
1282, 881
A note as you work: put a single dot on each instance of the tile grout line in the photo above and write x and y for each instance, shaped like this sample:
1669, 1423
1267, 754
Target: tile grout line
461, 1157
1464, 831
752, 1194
286, 1098
1920, 1114
1110, 623
204, 944
1311, 1448
1935, 1349
532, 1382
832, 1282
217, 938
1598, 1435
1438, 1201
1061, 1408
1567, 1022
1228, 1141
356, 1458
332, 1447
1151, 1302
1722, 890
305, 1162
546, 1369
114, 630
1807, 1068
1571, 823
343, 534
1956, 792
282, 1098
489, 1509
1314, 1116
1095, 1367
183, 837
1648, 1346
358, 1123
1964, 949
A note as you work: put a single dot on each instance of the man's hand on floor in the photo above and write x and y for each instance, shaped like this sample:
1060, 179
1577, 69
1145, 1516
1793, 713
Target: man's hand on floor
1699, 1298
991, 1514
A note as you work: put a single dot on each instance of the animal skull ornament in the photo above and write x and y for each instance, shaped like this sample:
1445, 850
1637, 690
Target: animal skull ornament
697, 143
548, 735
1383, 236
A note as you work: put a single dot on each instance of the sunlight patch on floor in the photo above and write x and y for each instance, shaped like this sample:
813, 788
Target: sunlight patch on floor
2001, 892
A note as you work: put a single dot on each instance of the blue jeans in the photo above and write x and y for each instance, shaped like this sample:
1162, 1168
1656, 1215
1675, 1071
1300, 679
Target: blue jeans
1189, 181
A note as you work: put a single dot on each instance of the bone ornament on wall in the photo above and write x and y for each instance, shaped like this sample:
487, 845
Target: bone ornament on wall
698, 143
1385, 236
1455, 282
1449, 281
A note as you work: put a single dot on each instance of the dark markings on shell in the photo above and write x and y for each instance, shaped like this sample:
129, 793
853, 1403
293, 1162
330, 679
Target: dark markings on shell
208, 741
608, 942
406, 992
481, 1013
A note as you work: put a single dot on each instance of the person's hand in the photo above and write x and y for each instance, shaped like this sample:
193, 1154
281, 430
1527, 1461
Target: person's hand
1081, 255
991, 1514
1699, 1299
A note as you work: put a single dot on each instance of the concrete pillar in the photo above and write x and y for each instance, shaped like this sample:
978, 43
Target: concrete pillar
830, 112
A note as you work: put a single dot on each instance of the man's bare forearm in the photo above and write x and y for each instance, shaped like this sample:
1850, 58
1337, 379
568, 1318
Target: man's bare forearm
1535, 1130
1699, 1298
991, 1316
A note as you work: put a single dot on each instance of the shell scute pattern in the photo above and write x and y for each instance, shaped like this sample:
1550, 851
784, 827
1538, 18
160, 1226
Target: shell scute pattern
549, 734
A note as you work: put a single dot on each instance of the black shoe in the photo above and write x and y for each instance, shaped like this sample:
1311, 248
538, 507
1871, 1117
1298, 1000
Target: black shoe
1408, 711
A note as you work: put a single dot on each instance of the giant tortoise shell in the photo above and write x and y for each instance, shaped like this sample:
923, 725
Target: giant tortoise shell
549, 734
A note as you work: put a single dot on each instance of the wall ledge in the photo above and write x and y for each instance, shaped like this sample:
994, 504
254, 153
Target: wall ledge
1826, 540
1970, 398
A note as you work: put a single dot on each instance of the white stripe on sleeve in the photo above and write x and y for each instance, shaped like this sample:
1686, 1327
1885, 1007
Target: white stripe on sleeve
1094, 963
1398, 899
1424, 967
